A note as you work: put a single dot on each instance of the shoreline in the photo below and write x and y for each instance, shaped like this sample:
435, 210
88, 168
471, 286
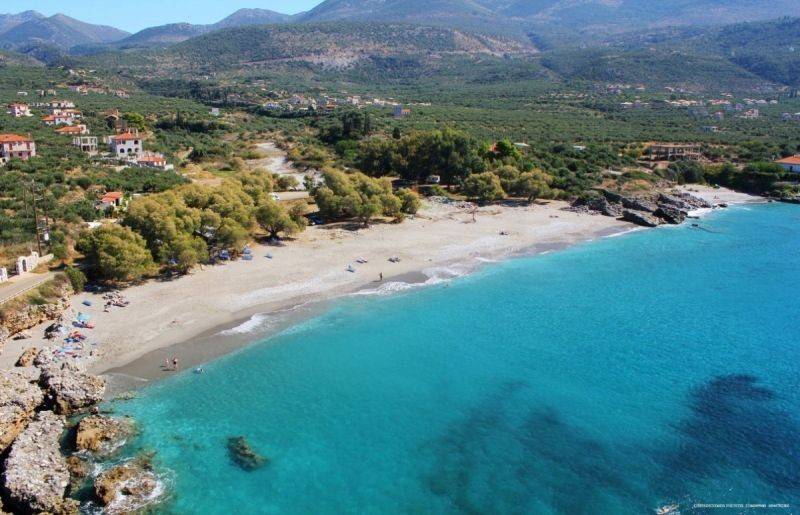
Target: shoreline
196, 317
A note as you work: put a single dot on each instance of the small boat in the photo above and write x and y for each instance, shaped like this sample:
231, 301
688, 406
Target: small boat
670, 509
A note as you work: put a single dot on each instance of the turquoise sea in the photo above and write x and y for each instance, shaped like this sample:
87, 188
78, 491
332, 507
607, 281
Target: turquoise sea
613, 377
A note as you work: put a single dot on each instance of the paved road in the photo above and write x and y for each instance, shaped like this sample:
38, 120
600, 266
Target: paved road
18, 286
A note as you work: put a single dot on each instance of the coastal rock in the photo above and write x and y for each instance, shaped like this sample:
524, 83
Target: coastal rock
673, 201
639, 204
692, 201
36, 476
24, 318
70, 389
640, 218
19, 397
101, 434
671, 215
604, 207
27, 357
128, 487
243, 455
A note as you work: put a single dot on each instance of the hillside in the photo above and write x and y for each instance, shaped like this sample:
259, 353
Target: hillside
327, 45
245, 17
60, 31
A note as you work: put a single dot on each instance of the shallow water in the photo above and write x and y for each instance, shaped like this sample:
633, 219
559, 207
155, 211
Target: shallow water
614, 377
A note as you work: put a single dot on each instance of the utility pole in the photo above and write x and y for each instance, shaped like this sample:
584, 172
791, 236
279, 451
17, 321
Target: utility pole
45, 228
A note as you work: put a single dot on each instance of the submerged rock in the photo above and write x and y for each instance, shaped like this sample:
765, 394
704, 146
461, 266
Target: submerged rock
20, 396
71, 389
128, 487
36, 476
102, 435
640, 218
243, 455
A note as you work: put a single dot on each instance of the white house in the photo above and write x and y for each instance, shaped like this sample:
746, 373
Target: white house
152, 160
18, 110
13, 145
58, 119
28, 263
790, 164
3, 274
126, 146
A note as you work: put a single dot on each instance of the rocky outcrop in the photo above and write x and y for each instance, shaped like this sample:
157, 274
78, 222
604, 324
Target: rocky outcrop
640, 218
32, 315
128, 487
671, 215
19, 397
70, 389
691, 201
27, 357
102, 435
36, 476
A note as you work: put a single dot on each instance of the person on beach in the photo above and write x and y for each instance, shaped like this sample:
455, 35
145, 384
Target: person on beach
380, 276
175, 363
165, 366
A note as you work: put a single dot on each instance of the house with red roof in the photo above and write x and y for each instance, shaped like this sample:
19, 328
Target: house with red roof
152, 160
73, 130
16, 146
126, 146
110, 199
790, 164
58, 119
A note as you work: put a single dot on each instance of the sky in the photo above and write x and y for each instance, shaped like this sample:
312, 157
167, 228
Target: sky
140, 14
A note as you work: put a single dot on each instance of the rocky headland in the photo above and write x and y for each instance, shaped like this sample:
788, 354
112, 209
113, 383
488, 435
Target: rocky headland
38, 474
650, 210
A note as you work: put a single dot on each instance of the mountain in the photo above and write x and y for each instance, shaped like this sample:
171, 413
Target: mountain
9, 21
244, 17
324, 46
165, 35
60, 31
461, 14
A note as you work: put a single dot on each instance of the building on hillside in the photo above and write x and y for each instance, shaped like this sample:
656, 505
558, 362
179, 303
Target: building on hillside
109, 200
152, 160
73, 130
26, 264
401, 112
52, 120
710, 128
87, 144
15, 146
215, 111
790, 164
126, 146
3, 274
750, 114
61, 104
672, 152
18, 110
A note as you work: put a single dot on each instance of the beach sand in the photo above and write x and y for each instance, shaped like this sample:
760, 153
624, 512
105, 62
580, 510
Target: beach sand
217, 309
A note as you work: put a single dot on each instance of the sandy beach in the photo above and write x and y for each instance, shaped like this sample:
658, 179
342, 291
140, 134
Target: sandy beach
212, 311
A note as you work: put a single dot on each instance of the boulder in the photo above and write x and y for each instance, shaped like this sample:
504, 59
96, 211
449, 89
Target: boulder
36, 476
20, 396
670, 215
70, 389
27, 357
128, 487
673, 201
640, 218
102, 435
692, 201
603, 206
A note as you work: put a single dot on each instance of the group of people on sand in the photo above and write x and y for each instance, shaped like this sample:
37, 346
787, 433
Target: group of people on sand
171, 365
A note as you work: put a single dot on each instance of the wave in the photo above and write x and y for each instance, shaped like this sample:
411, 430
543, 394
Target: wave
250, 325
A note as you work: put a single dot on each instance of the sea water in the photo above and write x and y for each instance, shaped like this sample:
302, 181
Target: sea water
613, 377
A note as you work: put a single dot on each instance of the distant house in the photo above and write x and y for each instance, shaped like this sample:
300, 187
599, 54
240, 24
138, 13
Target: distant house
18, 110
87, 144
58, 119
126, 146
110, 199
156, 161
215, 111
401, 112
73, 130
790, 164
15, 146
61, 104
672, 152
710, 128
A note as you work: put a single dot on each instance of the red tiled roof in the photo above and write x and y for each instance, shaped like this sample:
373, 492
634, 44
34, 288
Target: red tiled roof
13, 138
67, 130
111, 195
125, 137
794, 160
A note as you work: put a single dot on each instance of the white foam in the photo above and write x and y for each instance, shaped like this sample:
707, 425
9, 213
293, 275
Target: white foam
254, 323
703, 211
622, 233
